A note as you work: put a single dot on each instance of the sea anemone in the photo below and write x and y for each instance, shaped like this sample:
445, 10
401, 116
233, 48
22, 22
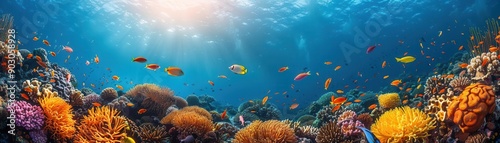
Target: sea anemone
152, 134
190, 120
225, 130
108, 94
330, 133
102, 124
269, 131
403, 124
28, 116
153, 98
59, 117
389, 100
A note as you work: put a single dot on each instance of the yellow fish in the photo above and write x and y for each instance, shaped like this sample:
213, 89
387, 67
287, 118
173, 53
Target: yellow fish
420, 85
421, 46
406, 59
440, 33
387, 76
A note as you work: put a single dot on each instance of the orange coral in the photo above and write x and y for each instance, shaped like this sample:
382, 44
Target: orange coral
190, 120
271, 131
59, 117
102, 125
470, 108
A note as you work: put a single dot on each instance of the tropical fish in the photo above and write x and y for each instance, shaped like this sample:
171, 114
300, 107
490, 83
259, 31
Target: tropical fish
493, 49
339, 100
67, 49
222, 76
421, 46
42, 64
223, 115
29, 56
387, 76
52, 80
463, 65
485, 62
130, 104
357, 100
96, 59
264, 100
293, 106
461, 47
38, 58
211, 82
242, 120
328, 63
337, 67
119, 87
174, 71
406, 59
327, 83
87, 63
332, 99
35, 38
337, 107
405, 101
384, 64
24, 96
46, 42
139, 59
153, 67
96, 104
340, 91
317, 73
440, 33
282, 69
53, 54
370, 137
420, 85
115, 77
142, 111
68, 77
396, 82
373, 106
370, 49
301, 76
238, 69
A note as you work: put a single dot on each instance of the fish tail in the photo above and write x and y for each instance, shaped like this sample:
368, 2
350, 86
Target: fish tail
308, 73
244, 71
398, 59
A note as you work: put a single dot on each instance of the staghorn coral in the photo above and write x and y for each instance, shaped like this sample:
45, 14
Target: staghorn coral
109, 94
438, 104
272, 131
152, 134
389, 100
403, 124
458, 84
436, 85
59, 117
366, 119
102, 124
189, 120
330, 133
28, 116
153, 98
468, 111
483, 72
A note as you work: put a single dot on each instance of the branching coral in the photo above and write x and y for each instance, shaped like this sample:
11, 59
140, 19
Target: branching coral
59, 117
403, 124
108, 94
271, 131
102, 125
152, 134
470, 108
389, 100
28, 116
153, 98
330, 133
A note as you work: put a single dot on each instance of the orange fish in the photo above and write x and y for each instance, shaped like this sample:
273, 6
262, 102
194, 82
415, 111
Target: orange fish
337, 107
41, 74
119, 87
115, 77
141, 111
52, 80
282, 69
211, 82
442, 91
38, 58
481, 43
174, 71
472, 38
463, 65
339, 100
332, 99
35, 38
96, 59
327, 83
396, 82
357, 100
29, 56
408, 89
139, 59
485, 62
340, 91
293, 106
153, 67
28, 89
328, 63
493, 49
461, 47
96, 104
347, 103
337, 68
362, 94
130, 104
223, 115
23, 95
264, 100
384, 64
405, 101
52, 53
46, 42
373, 106
419, 104
222, 76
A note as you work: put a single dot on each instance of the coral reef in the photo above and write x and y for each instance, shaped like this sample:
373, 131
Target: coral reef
152, 134
483, 71
470, 108
306, 120
225, 131
28, 116
436, 85
308, 132
403, 124
59, 117
477, 137
253, 110
366, 119
269, 131
193, 100
153, 98
89, 99
38, 136
102, 124
458, 84
349, 129
120, 104
191, 120
109, 94
87, 91
330, 133
356, 107
389, 100
76, 99
438, 104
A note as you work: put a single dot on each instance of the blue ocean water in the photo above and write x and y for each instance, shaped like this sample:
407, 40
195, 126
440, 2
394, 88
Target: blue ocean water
205, 37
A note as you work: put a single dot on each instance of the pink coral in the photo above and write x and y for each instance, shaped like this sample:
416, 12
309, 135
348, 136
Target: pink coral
348, 127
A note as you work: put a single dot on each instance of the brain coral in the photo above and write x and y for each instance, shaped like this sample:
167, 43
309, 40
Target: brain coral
403, 124
271, 131
59, 117
101, 125
472, 105
389, 100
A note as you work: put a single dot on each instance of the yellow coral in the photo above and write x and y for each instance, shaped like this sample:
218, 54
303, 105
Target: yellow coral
271, 131
59, 117
102, 125
389, 100
403, 124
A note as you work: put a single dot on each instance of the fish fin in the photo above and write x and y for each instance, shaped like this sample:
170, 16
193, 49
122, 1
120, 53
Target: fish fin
398, 59
245, 71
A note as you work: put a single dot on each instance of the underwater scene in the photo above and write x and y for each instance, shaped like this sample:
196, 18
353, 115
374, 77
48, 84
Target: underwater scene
249, 71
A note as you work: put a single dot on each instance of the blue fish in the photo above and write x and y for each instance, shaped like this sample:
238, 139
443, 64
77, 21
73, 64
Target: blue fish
370, 137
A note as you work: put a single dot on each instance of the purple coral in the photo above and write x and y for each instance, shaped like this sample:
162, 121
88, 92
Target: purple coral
38, 136
29, 116
348, 127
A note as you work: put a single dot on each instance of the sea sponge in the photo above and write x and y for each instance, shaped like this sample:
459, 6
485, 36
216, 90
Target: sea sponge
272, 131
330, 133
28, 116
152, 134
102, 124
389, 100
403, 124
472, 105
108, 94
59, 117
